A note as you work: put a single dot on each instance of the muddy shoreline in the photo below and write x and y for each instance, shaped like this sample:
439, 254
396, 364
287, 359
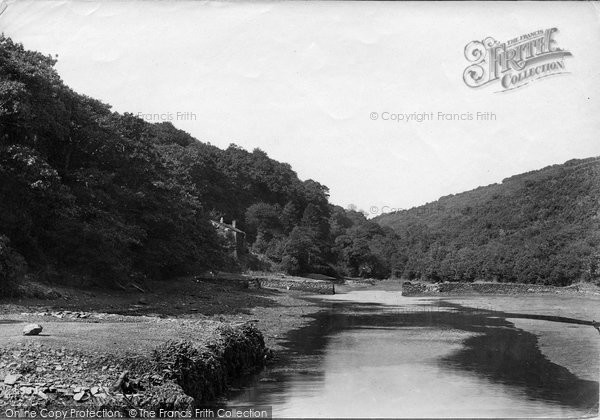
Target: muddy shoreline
176, 350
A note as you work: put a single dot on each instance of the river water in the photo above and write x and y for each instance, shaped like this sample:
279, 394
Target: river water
374, 353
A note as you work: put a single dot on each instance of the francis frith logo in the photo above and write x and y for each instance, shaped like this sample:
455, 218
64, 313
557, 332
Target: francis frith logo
516, 62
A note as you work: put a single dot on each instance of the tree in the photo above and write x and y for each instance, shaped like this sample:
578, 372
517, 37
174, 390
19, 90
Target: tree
301, 254
263, 218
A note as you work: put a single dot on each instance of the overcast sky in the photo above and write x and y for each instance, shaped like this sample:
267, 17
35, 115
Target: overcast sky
300, 81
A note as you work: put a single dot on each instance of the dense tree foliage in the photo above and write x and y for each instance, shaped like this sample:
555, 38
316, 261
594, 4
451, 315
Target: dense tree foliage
538, 227
85, 191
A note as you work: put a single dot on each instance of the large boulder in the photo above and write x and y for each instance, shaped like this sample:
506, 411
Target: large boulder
32, 329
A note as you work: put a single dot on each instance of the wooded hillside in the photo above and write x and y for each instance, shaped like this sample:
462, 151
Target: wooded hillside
539, 227
88, 192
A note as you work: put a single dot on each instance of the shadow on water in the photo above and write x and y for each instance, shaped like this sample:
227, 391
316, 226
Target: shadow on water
498, 351
508, 355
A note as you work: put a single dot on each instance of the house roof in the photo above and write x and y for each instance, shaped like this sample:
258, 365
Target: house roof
226, 226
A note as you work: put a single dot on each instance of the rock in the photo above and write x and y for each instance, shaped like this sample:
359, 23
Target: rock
11, 379
32, 329
81, 396
27, 390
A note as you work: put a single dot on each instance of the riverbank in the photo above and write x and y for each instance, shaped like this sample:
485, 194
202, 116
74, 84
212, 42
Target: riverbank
174, 346
416, 288
376, 353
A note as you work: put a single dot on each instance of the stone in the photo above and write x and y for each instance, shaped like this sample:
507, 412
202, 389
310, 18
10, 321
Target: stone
32, 329
81, 396
11, 379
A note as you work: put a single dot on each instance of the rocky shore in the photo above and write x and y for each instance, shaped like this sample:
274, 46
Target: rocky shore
177, 375
172, 352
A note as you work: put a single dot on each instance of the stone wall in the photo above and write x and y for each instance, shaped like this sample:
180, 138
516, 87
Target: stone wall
321, 287
435, 289
274, 281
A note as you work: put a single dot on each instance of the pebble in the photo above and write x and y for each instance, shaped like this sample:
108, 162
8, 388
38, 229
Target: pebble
81, 396
11, 379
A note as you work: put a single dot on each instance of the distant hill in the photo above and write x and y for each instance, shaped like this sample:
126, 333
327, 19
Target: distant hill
538, 227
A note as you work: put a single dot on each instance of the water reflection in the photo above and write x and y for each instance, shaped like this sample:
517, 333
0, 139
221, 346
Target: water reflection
427, 360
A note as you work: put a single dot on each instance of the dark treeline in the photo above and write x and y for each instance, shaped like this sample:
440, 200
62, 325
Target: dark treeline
538, 227
85, 191
89, 193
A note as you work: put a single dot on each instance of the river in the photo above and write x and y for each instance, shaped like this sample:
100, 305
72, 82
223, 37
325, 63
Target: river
375, 353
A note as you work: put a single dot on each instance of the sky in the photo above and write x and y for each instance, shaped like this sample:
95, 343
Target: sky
315, 84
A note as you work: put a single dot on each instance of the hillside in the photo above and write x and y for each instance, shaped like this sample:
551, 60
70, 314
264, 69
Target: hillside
89, 196
90, 193
538, 227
